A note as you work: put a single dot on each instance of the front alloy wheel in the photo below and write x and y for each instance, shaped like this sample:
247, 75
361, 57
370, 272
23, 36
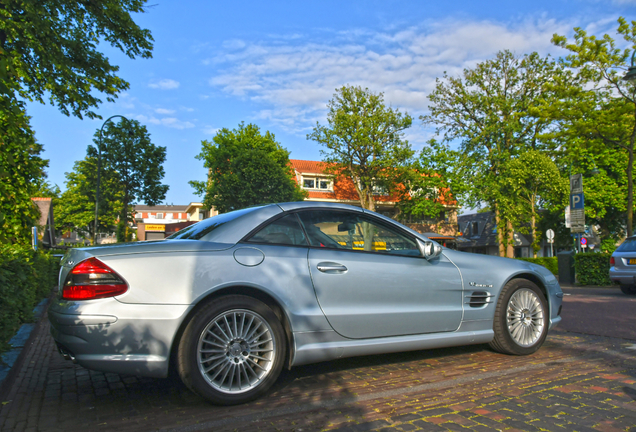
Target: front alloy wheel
521, 318
525, 317
232, 350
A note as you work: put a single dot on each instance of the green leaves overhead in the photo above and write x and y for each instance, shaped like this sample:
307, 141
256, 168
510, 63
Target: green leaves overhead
246, 168
49, 49
364, 140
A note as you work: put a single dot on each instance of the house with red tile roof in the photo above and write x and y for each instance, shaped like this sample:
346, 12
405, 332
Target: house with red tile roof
321, 186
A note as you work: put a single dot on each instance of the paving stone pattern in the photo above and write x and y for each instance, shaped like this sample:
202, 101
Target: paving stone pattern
574, 383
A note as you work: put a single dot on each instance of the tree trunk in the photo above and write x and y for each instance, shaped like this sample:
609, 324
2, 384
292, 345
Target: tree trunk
533, 221
510, 250
500, 235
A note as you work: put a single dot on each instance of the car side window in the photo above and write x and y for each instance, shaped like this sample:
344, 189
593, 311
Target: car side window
283, 231
356, 232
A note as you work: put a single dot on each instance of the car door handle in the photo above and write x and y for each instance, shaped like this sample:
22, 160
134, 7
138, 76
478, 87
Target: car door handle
328, 267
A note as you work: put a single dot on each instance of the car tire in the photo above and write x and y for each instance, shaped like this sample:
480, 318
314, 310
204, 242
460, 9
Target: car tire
628, 289
232, 350
521, 319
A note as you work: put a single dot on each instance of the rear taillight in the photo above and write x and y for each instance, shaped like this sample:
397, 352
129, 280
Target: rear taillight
92, 279
612, 261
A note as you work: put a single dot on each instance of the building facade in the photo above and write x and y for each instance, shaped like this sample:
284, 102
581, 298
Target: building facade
322, 187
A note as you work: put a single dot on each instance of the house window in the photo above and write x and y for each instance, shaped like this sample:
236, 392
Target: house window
139, 216
159, 215
169, 215
151, 216
379, 190
316, 183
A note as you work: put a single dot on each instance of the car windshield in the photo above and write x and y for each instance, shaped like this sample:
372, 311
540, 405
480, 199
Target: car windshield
628, 245
198, 230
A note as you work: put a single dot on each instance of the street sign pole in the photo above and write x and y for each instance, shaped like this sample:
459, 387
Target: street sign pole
577, 208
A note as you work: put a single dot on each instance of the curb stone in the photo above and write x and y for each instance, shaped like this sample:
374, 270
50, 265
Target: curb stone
18, 342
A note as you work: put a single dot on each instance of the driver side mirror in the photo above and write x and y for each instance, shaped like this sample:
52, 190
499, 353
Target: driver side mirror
429, 249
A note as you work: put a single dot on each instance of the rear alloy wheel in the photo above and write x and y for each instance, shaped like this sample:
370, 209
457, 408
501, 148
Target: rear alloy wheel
628, 289
521, 319
232, 350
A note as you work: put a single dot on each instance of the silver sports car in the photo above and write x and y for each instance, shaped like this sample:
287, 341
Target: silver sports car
233, 299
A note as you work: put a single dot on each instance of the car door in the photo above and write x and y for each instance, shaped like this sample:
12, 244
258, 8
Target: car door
371, 280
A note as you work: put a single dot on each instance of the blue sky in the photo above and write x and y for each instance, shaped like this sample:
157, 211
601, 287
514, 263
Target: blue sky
277, 64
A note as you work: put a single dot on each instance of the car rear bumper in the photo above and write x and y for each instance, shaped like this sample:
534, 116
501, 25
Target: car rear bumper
623, 277
110, 336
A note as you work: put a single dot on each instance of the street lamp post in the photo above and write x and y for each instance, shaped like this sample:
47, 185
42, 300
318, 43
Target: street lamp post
631, 72
99, 161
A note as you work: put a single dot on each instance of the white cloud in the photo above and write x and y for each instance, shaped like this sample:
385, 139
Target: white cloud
291, 80
164, 111
165, 121
165, 84
210, 130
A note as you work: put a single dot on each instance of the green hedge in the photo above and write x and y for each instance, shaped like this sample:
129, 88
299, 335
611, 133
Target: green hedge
592, 268
26, 277
548, 262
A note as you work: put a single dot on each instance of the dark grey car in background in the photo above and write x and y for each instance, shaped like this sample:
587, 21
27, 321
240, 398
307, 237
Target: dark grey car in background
232, 300
623, 266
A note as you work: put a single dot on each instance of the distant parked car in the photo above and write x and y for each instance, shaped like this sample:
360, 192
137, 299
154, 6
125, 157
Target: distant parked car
623, 266
235, 298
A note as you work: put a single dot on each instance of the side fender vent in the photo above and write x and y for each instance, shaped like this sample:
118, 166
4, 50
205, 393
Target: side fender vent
478, 299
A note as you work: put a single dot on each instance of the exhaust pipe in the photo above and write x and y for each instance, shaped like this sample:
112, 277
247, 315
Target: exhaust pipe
66, 353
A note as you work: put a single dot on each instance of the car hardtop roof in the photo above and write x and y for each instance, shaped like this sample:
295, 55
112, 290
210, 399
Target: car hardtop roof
289, 206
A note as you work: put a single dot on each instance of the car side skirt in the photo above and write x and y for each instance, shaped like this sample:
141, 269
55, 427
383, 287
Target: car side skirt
314, 347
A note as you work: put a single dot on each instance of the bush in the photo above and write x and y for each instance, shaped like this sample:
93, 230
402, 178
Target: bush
592, 268
548, 262
26, 277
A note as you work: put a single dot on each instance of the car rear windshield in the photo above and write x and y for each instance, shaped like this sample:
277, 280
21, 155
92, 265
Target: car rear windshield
628, 245
198, 230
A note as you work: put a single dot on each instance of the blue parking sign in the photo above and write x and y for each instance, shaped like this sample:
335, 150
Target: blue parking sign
576, 201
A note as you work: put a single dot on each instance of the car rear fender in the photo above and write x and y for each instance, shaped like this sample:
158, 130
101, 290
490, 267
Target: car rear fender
247, 291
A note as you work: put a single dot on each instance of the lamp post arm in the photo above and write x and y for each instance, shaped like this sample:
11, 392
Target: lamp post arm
99, 162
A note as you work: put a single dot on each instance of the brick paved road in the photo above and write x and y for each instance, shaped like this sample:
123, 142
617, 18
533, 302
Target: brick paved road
574, 382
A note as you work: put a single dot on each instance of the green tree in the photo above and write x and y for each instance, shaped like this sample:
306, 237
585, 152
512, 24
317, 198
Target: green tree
364, 141
426, 188
76, 207
533, 181
48, 50
601, 107
488, 111
21, 173
136, 164
245, 168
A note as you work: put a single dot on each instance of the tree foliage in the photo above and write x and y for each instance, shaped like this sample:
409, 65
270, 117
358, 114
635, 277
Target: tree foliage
364, 140
489, 110
427, 186
600, 108
48, 48
532, 181
76, 207
21, 173
245, 168
133, 162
